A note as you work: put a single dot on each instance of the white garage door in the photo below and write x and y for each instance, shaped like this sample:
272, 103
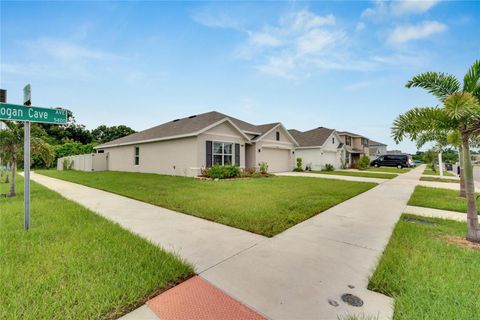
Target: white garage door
278, 159
330, 158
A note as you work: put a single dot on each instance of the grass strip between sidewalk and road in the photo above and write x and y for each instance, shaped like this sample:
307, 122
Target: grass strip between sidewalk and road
435, 179
363, 174
437, 198
389, 170
74, 264
428, 271
265, 206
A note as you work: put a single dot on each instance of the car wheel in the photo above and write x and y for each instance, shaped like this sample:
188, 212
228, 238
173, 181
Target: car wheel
399, 166
376, 165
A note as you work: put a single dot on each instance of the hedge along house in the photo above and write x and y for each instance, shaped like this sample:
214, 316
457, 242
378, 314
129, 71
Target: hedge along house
185, 146
319, 147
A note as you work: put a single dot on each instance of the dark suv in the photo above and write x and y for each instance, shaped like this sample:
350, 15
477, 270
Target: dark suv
393, 160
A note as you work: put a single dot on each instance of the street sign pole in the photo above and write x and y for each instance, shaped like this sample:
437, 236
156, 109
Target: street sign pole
27, 96
26, 166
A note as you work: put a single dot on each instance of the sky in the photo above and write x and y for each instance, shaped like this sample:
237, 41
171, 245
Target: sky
335, 64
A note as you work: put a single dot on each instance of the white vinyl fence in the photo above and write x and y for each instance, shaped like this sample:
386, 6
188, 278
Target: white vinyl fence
84, 162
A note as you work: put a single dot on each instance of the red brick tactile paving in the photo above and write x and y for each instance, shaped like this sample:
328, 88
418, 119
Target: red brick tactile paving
196, 299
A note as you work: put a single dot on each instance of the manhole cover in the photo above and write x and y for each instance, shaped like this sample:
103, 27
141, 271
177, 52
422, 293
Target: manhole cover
415, 220
352, 300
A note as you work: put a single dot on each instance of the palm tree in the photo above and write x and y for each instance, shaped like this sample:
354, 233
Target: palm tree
460, 112
11, 142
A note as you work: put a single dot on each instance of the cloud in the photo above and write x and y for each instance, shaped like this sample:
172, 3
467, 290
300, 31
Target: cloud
405, 33
384, 9
68, 51
412, 6
360, 27
358, 85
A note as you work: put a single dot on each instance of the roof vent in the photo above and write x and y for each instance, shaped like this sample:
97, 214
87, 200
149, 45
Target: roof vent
175, 120
319, 127
192, 116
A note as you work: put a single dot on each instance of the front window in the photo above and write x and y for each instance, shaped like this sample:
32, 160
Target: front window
348, 141
222, 153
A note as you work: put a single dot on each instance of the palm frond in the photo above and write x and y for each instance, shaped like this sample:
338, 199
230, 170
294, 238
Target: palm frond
471, 81
417, 121
440, 84
462, 106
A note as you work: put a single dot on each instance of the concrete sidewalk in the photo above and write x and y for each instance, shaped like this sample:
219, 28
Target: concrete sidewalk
436, 213
201, 242
300, 272
330, 176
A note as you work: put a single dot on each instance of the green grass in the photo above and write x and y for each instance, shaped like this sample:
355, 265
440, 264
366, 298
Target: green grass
435, 179
364, 174
389, 169
428, 171
74, 264
437, 198
265, 206
429, 278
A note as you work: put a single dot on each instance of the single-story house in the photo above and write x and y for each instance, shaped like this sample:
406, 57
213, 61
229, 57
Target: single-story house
376, 149
319, 147
185, 146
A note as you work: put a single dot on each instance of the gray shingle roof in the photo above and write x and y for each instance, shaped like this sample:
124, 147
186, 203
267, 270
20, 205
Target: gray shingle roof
311, 138
375, 143
187, 126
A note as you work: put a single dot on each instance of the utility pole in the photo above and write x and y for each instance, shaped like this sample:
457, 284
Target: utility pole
27, 97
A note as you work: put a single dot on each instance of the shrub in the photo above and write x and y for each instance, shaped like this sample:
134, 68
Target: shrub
299, 167
248, 172
222, 172
329, 167
364, 162
67, 164
263, 167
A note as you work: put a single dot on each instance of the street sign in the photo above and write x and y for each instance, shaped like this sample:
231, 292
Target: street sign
27, 95
17, 112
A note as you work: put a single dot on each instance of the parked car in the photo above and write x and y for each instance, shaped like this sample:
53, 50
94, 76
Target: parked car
393, 160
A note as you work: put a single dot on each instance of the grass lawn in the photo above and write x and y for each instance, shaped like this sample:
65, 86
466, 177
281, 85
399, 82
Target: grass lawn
389, 169
437, 198
435, 179
364, 174
430, 172
429, 278
265, 206
74, 264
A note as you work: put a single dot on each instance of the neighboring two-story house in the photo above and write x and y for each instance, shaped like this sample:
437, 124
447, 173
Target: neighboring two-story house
355, 146
376, 149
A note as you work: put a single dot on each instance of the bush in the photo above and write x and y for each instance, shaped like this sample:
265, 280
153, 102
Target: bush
222, 172
299, 167
329, 167
263, 168
67, 164
248, 172
364, 162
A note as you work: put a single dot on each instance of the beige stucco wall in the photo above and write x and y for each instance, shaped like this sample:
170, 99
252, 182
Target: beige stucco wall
269, 141
221, 133
171, 157
318, 157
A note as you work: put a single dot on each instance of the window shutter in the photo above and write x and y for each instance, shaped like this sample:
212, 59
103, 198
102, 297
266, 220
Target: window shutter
237, 154
209, 154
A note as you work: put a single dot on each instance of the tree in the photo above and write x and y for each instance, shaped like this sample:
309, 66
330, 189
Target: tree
11, 142
460, 112
104, 134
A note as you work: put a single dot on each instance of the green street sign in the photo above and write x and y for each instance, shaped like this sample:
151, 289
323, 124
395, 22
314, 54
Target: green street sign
17, 112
